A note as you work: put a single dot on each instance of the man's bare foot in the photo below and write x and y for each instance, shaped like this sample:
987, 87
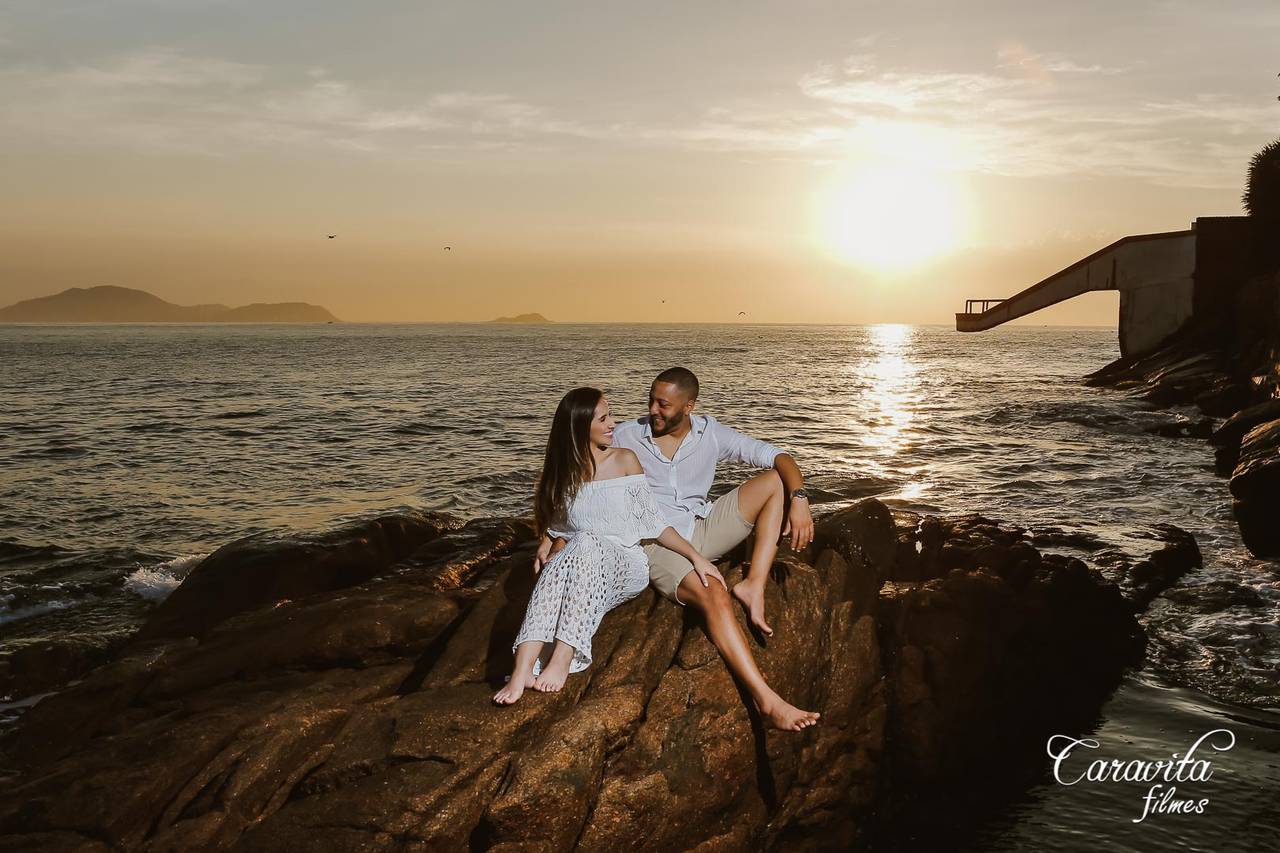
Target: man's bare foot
787, 717
511, 694
552, 677
751, 596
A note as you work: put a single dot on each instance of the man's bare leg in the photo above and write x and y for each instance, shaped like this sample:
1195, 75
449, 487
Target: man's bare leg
556, 671
722, 626
521, 673
760, 500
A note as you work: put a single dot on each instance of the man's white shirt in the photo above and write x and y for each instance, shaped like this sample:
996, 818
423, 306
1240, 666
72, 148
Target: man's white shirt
681, 484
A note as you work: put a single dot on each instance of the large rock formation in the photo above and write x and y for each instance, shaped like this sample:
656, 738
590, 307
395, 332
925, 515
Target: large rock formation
1227, 364
340, 709
1255, 489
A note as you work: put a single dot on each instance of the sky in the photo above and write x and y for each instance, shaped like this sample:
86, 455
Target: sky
797, 162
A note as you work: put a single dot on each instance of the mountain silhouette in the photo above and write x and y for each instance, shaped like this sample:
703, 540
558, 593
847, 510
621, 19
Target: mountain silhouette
522, 318
111, 304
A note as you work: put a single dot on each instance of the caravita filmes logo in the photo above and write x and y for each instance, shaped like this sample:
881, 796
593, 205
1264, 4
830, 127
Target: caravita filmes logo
1162, 796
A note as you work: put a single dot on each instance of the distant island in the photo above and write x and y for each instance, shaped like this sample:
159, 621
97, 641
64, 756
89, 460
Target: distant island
111, 304
522, 318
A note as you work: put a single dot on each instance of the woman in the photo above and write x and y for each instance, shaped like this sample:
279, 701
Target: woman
594, 496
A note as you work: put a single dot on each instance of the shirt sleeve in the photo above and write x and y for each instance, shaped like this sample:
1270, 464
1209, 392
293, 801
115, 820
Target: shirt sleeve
649, 522
623, 435
737, 447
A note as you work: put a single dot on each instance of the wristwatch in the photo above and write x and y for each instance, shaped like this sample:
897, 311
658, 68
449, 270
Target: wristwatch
801, 493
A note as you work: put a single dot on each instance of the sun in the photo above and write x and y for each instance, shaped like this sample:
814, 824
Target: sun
890, 216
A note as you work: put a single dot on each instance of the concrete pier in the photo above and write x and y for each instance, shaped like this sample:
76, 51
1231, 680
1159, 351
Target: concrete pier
1155, 274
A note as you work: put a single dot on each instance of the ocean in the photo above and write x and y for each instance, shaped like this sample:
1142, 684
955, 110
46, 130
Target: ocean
130, 452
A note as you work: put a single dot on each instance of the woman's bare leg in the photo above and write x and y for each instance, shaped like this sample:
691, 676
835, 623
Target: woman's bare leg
521, 673
556, 671
760, 500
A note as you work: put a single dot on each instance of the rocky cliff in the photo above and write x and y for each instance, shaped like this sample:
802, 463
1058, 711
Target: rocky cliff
332, 693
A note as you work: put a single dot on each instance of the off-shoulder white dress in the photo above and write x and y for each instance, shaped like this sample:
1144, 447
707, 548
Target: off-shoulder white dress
602, 566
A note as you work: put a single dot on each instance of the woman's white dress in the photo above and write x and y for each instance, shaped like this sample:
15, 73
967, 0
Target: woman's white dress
602, 565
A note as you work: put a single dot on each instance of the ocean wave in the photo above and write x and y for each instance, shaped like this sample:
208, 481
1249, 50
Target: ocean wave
155, 583
61, 450
11, 551
8, 614
249, 413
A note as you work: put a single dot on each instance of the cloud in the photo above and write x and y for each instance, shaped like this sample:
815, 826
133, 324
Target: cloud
162, 99
1037, 115
1027, 114
1018, 57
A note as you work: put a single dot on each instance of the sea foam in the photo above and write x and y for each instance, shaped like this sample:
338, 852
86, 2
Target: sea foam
156, 582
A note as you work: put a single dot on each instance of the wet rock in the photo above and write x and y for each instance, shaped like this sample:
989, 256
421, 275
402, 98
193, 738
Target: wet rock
1227, 437
1215, 596
1255, 489
1226, 375
1224, 396
357, 716
1149, 577
1078, 539
1200, 428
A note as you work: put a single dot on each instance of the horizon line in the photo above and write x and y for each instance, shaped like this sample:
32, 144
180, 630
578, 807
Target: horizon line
535, 325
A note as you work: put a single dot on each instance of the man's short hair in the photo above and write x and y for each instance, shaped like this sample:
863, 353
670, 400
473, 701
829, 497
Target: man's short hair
682, 378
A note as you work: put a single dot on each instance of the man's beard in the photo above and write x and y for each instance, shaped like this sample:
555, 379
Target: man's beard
671, 423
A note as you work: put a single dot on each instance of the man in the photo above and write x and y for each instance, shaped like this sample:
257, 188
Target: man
679, 451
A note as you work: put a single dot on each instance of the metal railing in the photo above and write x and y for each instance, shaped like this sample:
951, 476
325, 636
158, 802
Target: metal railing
985, 303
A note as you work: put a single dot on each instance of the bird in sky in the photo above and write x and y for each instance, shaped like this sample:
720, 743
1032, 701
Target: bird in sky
741, 313
448, 248
331, 236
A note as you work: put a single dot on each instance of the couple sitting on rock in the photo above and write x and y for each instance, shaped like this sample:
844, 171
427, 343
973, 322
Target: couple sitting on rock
605, 489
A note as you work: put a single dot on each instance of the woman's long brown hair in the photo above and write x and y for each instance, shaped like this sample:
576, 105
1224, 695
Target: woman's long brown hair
568, 463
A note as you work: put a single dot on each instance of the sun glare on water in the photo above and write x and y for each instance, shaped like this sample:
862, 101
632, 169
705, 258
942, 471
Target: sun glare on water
889, 216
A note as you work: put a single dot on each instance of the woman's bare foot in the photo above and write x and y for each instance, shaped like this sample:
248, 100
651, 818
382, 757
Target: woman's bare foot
751, 596
787, 717
521, 673
557, 669
511, 694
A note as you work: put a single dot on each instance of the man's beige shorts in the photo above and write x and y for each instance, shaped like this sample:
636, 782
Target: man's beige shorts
713, 536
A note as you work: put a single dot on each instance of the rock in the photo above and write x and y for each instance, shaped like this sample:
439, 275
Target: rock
1231, 369
984, 619
1163, 568
1227, 437
1224, 396
348, 707
1078, 539
1201, 428
1255, 489
864, 535
1215, 596
42, 664
264, 569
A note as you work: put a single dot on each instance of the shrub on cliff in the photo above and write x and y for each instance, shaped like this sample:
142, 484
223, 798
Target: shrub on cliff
1262, 188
